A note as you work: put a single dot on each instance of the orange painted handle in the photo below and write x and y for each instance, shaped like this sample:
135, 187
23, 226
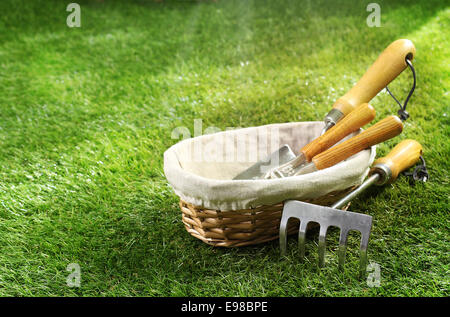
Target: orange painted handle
359, 117
403, 156
381, 131
386, 68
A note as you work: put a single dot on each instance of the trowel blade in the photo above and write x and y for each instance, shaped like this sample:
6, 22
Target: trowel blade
283, 155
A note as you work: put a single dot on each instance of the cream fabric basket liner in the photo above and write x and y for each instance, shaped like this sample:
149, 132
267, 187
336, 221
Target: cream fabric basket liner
200, 169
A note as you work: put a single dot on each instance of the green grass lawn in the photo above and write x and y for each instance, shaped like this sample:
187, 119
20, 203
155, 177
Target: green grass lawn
86, 114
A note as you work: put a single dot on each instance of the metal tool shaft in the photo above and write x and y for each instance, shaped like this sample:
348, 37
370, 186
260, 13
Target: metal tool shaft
287, 169
369, 182
328, 125
331, 119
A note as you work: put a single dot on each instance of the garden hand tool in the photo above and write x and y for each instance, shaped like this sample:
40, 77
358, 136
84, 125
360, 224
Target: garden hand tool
383, 130
384, 170
390, 63
386, 68
362, 115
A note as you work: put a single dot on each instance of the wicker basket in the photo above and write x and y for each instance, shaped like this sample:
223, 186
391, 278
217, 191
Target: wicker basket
236, 228
222, 212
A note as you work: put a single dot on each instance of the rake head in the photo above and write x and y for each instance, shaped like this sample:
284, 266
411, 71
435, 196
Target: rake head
326, 217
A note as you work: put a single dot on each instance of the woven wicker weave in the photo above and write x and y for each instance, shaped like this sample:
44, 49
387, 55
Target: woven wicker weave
235, 228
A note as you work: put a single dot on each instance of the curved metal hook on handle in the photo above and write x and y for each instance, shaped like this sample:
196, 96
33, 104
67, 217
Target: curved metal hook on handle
420, 173
402, 113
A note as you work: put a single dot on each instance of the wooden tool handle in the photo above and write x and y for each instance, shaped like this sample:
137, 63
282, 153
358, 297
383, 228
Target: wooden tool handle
381, 131
403, 156
388, 65
359, 117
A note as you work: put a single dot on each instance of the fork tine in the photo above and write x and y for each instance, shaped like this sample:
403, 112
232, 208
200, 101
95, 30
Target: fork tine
326, 217
362, 263
283, 234
363, 254
322, 244
342, 247
302, 238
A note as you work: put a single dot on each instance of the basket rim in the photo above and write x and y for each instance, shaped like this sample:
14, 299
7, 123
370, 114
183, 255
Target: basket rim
220, 194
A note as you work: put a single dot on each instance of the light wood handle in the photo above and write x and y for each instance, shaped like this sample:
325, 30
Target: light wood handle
386, 68
403, 156
381, 131
359, 117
